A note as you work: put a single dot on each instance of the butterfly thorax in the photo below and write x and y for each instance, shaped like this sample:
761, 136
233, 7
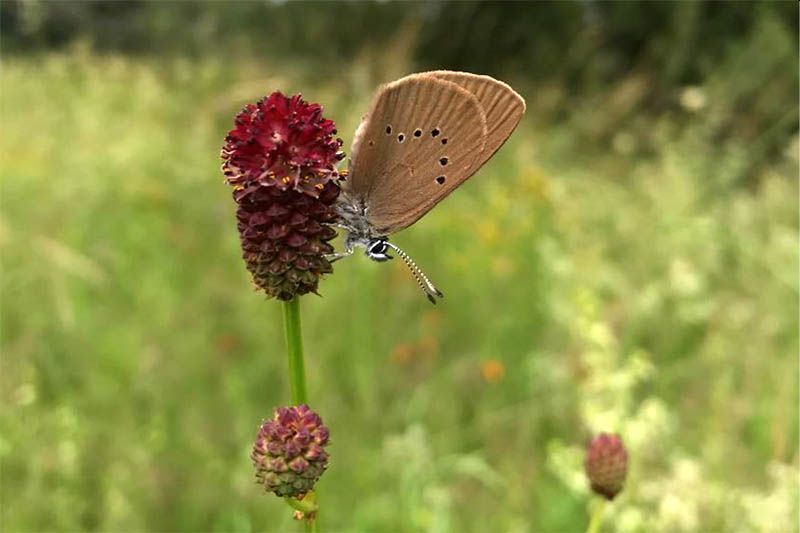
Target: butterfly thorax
353, 218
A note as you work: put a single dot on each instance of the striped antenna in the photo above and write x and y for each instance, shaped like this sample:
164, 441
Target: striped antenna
428, 288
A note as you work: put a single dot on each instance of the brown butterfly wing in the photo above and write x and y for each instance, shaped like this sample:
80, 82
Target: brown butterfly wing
501, 104
422, 138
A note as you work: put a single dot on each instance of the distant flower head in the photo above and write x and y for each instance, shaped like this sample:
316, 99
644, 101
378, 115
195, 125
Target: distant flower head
288, 454
281, 160
606, 464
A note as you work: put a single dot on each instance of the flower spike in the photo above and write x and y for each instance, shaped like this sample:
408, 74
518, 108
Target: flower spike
280, 158
289, 453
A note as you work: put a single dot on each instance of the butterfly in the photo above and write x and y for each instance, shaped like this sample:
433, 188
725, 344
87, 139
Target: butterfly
423, 136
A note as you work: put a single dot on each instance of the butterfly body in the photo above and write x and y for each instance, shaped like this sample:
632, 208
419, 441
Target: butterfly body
354, 219
423, 136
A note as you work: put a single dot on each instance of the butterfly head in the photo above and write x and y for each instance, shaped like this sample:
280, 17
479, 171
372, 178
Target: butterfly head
377, 249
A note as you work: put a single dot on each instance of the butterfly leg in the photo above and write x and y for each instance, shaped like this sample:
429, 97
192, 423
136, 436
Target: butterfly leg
341, 255
349, 248
339, 225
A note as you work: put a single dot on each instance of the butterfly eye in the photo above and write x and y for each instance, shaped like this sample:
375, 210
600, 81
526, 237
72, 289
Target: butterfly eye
378, 247
443, 161
440, 180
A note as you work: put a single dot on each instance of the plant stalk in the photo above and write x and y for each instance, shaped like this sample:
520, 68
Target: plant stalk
297, 383
597, 516
294, 349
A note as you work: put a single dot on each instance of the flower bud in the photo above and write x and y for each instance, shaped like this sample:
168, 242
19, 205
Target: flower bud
288, 454
606, 464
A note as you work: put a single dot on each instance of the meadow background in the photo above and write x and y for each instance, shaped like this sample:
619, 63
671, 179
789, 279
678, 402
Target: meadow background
627, 262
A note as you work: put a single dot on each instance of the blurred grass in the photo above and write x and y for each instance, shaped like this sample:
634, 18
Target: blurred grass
614, 270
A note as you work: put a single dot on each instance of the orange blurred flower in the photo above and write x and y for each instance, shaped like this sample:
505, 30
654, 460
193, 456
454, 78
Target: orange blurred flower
493, 370
402, 354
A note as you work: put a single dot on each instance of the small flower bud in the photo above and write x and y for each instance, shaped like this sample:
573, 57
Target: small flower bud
287, 461
606, 464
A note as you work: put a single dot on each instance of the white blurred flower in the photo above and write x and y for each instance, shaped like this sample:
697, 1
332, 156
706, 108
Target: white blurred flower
25, 394
652, 423
770, 511
628, 520
684, 278
693, 98
566, 463
676, 514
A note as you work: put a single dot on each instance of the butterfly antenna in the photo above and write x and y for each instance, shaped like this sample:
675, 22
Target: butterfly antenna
425, 284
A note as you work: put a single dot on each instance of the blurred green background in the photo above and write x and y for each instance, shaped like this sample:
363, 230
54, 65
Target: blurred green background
627, 262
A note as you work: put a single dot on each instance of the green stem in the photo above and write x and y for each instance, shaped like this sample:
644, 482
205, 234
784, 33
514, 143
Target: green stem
597, 517
294, 349
304, 506
311, 526
297, 382
310, 522
308, 506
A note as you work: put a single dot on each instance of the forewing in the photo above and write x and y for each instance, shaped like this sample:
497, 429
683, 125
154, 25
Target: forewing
422, 138
502, 106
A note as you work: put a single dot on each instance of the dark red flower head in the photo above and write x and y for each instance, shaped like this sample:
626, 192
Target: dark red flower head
289, 454
284, 143
281, 160
606, 464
